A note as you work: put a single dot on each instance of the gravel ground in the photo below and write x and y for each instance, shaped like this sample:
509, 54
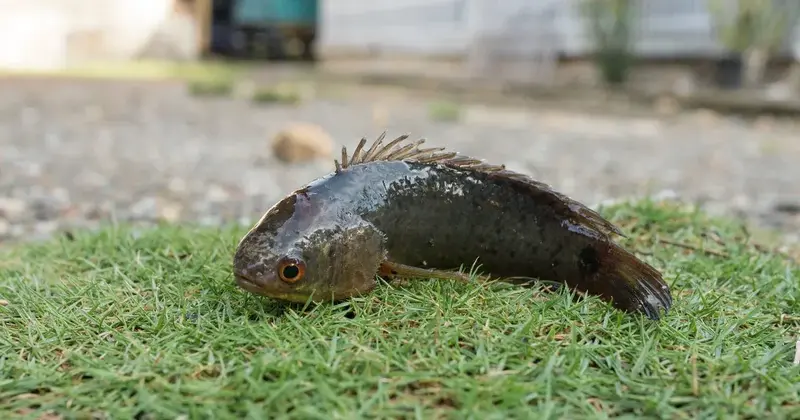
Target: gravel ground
75, 153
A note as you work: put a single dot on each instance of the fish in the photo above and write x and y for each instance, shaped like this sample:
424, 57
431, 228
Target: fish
396, 210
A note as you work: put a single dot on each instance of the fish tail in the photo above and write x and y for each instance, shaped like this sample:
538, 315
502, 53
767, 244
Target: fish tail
628, 282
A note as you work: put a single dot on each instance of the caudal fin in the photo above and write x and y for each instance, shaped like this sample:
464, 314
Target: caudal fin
630, 283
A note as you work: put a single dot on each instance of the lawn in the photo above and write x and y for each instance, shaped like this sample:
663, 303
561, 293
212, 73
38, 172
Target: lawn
148, 324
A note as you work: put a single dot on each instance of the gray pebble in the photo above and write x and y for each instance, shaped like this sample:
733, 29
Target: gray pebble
43, 230
12, 208
5, 229
789, 207
146, 208
78, 153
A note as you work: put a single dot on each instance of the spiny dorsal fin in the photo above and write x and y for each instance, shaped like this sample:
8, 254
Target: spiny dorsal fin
409, 152
395, 150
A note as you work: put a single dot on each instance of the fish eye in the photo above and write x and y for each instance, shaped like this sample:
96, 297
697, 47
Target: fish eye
291, 270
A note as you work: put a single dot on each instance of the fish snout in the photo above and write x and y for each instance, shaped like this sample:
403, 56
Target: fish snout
253, 276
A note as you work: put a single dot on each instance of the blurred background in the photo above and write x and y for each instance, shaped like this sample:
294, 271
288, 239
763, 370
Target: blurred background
209, 111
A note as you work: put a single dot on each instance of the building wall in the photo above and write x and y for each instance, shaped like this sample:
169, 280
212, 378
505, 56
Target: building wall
413, 26
666, 28
49, 34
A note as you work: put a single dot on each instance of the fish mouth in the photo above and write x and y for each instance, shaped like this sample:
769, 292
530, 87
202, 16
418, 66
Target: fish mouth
247, 284
252, 277
258, 281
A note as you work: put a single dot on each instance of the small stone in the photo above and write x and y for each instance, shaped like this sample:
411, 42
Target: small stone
780, 91
29, 116
5, 228
667, 105
706, 116
94, 211
302, 142
146, 208
72, 212
93, 113
216, 194
254, 184
31, 169
171, 212
665, 195
685, 85
177, 185
740, 201
16, 231
244, 89
12, 208
91, 178
209, 221
46, 208
45, 229
3, 302
764, 122
380, 116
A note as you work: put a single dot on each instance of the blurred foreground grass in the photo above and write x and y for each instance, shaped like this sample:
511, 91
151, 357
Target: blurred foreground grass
147, 324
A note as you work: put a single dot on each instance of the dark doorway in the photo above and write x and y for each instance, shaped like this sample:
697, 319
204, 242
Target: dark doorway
223, 28
269, 34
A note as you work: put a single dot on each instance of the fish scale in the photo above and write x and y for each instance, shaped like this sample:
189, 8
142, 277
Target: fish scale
396, 210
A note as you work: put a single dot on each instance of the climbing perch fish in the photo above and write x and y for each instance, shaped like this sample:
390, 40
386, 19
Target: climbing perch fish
396, 210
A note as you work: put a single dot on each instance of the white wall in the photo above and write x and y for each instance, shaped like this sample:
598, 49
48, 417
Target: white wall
675, 27
48, 34
666, 27
418, 26
31, 36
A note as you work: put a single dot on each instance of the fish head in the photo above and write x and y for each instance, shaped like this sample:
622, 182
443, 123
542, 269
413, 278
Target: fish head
305, 247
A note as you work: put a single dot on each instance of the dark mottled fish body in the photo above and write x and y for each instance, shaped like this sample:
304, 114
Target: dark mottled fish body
440, 214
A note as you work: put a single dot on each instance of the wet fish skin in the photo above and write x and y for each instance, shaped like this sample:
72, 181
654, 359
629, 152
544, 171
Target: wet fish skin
438, 213
341, 253
513, 233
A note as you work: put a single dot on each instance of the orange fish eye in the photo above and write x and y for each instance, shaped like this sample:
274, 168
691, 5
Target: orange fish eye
291, 270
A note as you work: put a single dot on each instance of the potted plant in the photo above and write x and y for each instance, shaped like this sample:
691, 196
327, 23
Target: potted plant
610, 25
750, 31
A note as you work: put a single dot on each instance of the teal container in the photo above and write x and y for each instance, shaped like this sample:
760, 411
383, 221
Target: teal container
276, 12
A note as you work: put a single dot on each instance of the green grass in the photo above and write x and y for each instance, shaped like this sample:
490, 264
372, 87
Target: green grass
280, 94
444, 111
211, 87
144, 70
147, 324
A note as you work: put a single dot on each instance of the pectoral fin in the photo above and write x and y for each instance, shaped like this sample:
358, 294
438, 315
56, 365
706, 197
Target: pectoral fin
394, 270
532, 281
